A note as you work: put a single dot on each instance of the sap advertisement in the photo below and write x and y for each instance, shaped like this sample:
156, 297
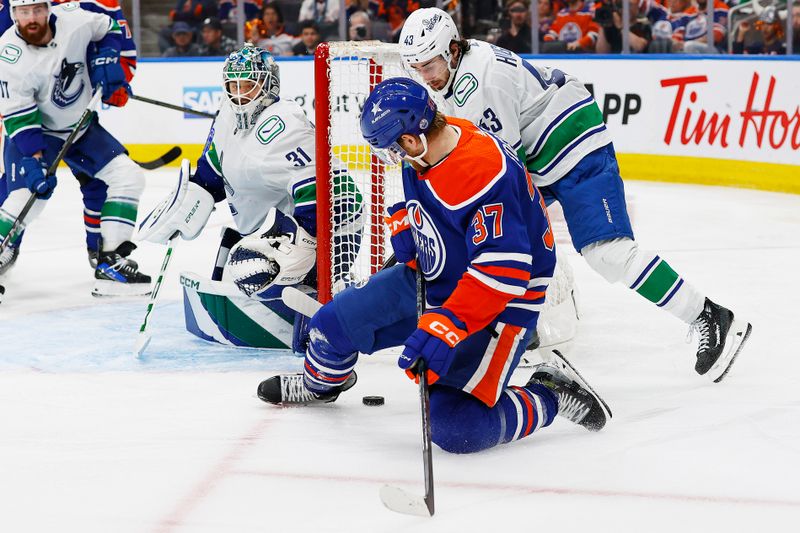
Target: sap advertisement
704, 108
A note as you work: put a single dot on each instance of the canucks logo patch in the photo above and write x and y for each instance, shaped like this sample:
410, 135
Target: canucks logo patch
10, 53
64, 93
464, 87
269, 129
430, 245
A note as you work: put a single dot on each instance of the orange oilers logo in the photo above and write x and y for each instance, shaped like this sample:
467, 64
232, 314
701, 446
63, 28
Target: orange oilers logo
431, 251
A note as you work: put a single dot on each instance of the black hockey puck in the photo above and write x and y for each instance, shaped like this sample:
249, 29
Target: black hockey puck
373, 400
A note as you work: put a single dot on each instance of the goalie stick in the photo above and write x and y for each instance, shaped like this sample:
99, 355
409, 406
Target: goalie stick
144, 338
171, 155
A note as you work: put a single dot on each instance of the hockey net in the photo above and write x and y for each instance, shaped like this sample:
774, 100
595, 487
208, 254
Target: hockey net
354, 188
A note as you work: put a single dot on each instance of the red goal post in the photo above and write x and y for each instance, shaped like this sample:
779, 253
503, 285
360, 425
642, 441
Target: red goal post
349, 177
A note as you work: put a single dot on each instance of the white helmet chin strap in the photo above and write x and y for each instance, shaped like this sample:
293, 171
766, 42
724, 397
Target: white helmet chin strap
418, 158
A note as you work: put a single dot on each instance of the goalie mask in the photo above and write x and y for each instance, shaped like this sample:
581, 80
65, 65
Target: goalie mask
426, 35
251, 83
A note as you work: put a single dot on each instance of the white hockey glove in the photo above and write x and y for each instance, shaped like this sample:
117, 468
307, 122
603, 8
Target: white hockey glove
280, 253
185, 210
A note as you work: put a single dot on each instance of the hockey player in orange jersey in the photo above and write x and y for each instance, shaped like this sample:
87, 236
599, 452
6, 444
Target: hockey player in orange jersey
475, 227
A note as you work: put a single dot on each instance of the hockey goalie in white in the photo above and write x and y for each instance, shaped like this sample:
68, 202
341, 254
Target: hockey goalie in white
260, 158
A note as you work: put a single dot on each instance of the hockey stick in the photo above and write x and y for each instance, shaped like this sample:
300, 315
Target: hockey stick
171, 155
144, 338
172, 106
395, 498
51, 170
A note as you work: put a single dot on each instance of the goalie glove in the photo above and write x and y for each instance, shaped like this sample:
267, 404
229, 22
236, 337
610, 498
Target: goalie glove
280, 253
185, 210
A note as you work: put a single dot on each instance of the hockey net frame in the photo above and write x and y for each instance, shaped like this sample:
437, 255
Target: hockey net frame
344, 74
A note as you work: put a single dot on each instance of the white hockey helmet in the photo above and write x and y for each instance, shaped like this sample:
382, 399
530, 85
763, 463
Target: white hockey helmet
256, 65
18, 3
426, 34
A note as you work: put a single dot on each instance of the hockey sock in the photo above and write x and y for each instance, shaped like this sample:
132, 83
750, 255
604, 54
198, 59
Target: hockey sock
117, 220
94, 196
647, 274
460, 423
331, 356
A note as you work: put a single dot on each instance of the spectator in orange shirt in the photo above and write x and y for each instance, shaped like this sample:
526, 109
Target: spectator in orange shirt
394, 12
575, 26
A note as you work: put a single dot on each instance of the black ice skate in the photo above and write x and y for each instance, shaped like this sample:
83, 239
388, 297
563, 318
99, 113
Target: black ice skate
116, 275
8, 258
577, 401
288, 389
721, 339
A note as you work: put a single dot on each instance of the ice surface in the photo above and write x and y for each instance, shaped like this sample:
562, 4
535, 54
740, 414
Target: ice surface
93, 440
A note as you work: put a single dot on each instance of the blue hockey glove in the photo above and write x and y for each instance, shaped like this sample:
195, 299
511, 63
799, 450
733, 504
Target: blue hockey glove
105, 69
405, 251
34, 172
434, 340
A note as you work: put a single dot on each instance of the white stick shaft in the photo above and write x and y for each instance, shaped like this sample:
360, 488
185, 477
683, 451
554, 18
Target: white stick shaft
144, 338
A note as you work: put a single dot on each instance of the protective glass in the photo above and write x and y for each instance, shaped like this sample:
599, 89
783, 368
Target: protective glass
430, 70
391, 155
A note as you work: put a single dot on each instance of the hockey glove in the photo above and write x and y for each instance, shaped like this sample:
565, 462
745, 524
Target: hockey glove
405, 250
120, 96
34, 172
280, 253
435, 339
185, 210
105, 69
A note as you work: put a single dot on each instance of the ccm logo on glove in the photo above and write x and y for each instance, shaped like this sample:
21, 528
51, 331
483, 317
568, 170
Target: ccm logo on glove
442, 327
104, 61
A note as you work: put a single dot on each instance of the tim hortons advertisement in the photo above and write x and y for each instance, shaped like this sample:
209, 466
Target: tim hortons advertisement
717, 109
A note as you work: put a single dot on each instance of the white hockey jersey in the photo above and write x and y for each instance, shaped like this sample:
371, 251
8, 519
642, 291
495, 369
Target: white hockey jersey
48, 87
547, 116
269, 165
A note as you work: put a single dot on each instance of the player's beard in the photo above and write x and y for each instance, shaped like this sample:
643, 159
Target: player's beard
33, 32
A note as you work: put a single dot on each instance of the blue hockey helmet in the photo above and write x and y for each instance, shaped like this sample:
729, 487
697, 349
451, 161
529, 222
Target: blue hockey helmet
395, 107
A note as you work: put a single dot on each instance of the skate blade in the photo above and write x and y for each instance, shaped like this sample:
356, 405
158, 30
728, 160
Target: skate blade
564, 362
734, 342
105, 288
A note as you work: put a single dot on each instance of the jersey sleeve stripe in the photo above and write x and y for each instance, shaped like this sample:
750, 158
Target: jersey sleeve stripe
495, 284
505, 272
490, 257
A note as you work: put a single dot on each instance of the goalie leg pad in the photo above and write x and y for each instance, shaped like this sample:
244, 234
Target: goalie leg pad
647, 274
216, 311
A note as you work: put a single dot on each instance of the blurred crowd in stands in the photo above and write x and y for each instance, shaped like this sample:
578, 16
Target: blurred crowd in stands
296, 27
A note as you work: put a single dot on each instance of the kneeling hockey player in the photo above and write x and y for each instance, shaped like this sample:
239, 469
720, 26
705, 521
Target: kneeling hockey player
474, 224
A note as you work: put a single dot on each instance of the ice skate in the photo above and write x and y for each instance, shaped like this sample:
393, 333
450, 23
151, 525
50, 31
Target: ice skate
577, 401
288, 389
8, 258
93, 256
116, 275
721, 339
